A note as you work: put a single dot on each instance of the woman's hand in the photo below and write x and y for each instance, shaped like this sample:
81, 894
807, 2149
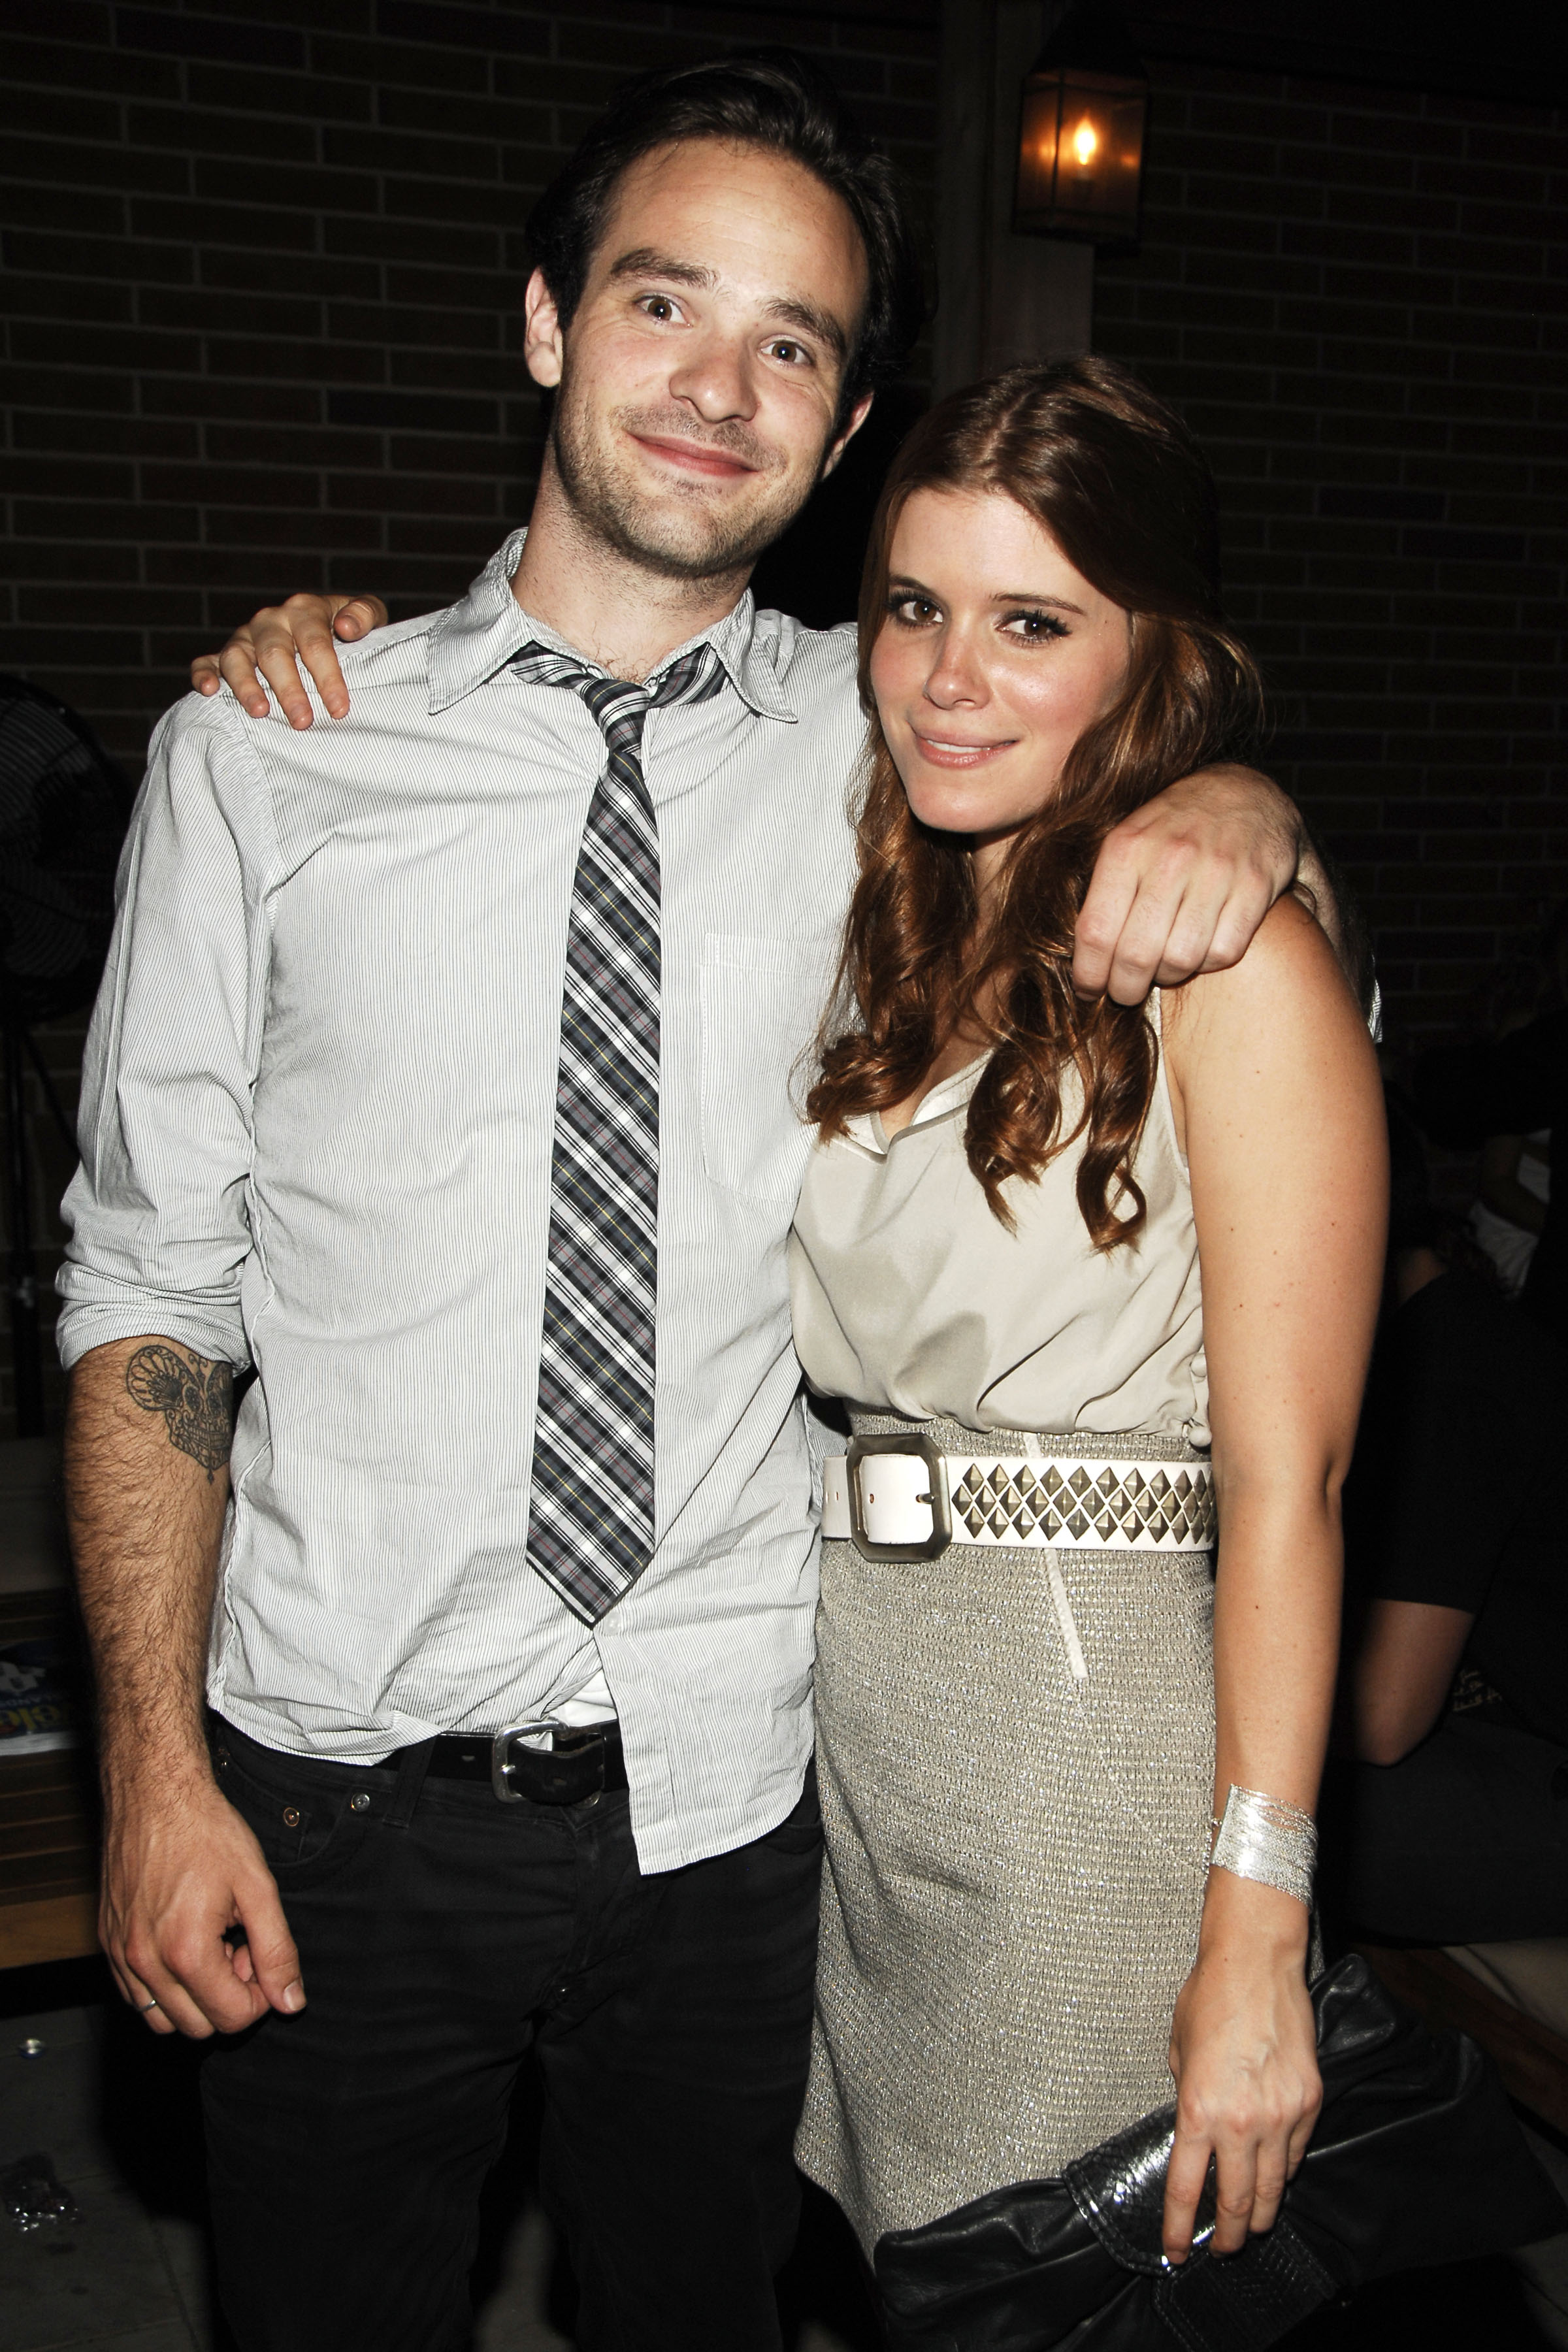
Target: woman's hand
277, 640
1244, 2053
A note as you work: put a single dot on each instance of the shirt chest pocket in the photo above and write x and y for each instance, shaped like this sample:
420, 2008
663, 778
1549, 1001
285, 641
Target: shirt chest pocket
762, 1000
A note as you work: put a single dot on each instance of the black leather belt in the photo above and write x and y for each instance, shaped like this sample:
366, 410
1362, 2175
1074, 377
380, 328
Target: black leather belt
581, 1762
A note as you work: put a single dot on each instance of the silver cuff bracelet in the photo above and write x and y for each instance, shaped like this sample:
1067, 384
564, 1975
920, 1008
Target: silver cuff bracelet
1263, 1839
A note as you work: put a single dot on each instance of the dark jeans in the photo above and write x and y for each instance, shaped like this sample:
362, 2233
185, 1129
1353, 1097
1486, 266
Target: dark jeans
1465, 1841
443, 1934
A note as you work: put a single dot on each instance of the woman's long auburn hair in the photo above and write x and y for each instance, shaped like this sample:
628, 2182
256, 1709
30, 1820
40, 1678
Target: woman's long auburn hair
1115, 478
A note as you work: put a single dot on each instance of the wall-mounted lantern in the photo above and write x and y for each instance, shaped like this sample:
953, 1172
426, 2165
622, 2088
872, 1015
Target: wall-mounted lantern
1080, 138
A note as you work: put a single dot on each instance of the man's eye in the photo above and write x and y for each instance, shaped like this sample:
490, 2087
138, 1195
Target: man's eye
793, 354
658, 306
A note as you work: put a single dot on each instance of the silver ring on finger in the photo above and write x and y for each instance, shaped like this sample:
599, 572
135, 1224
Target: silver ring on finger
144, 2006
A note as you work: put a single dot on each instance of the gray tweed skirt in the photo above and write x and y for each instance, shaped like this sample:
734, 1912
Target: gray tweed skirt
1015, 1854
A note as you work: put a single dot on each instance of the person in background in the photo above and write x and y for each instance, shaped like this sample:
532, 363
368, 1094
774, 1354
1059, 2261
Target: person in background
1515, 1184
1450, 1815
1509, 1216
1505, 1093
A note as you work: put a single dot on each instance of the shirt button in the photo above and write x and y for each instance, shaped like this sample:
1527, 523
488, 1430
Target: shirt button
290, 1817
359, 1802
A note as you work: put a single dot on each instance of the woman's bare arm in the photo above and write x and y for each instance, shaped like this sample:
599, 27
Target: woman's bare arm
1279, 1095
279, 642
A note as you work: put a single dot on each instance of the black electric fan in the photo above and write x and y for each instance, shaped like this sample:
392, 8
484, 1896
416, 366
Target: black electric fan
63, 811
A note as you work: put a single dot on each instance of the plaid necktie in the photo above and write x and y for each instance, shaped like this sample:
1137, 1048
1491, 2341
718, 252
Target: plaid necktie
591, 1512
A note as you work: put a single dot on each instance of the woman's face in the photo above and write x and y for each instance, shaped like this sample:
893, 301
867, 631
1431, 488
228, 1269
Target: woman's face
994, 657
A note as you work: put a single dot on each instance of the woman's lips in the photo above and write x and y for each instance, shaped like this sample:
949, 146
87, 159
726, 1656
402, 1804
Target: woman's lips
943, 754
694, 458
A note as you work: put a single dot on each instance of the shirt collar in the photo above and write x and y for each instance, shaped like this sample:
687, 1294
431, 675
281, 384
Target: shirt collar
473, 640
939, 1102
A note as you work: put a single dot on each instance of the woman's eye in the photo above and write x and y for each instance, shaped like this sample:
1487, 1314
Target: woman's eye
1034, 628
913, 612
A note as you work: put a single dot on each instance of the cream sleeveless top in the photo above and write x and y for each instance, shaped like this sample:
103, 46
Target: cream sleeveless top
910, 1297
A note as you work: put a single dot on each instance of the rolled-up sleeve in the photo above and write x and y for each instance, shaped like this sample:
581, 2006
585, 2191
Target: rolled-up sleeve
157, 1212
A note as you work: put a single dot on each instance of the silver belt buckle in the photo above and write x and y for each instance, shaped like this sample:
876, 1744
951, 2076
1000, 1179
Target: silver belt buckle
922, 1447
500, 1755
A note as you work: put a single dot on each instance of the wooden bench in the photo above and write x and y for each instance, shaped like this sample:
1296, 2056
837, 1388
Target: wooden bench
1531, 2059
48, 1834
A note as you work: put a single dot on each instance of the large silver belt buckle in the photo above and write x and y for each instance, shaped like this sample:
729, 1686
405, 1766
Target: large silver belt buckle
917, 1446
502, 1766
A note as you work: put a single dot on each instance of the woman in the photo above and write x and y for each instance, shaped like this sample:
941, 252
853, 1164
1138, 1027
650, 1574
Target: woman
1068, 1241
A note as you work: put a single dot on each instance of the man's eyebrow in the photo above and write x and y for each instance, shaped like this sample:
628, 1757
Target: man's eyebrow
647, 261
811, 321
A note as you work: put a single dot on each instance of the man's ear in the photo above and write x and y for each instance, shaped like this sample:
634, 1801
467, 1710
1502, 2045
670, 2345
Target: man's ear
858, 415
543, 346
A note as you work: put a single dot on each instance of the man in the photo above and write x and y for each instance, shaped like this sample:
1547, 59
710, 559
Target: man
441, 1071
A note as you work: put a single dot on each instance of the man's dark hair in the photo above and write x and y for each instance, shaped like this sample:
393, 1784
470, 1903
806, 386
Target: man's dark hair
759, 98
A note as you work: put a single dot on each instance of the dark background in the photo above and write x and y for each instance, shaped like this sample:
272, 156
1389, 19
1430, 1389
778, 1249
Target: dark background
260, 284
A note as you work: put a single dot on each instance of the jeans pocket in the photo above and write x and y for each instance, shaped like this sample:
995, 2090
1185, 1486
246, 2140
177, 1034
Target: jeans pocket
800, 1831
304, 1830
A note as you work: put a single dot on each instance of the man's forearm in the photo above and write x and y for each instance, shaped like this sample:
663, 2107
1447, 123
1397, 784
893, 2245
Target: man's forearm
147, 1440
190, 1916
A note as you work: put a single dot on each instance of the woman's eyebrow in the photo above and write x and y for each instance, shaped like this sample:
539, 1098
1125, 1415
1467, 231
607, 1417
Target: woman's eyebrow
913, 587
1034, 597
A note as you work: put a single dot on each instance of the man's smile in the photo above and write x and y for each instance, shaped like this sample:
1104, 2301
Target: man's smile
695, 456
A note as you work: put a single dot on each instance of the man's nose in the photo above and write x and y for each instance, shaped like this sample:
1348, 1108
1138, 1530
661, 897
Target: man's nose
717, 380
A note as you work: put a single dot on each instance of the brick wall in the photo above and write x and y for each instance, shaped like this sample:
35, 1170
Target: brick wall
1357, 294
261, 272
260, 285
261, 276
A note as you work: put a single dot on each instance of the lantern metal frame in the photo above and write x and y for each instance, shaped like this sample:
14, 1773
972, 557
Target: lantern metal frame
1083, 117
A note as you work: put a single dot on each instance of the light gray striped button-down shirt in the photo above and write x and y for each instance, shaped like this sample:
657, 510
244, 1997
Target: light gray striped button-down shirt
316, 1135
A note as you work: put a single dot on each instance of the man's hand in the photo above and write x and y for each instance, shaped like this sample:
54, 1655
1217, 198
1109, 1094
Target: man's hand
1182, 885
277, 640
182, 1872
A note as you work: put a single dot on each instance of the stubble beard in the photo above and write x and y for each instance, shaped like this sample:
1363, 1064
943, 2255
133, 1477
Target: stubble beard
678, 538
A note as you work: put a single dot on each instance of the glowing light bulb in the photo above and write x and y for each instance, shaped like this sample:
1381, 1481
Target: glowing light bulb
1085, 144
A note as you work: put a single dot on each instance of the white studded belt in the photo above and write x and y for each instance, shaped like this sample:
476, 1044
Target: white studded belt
899, 1497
